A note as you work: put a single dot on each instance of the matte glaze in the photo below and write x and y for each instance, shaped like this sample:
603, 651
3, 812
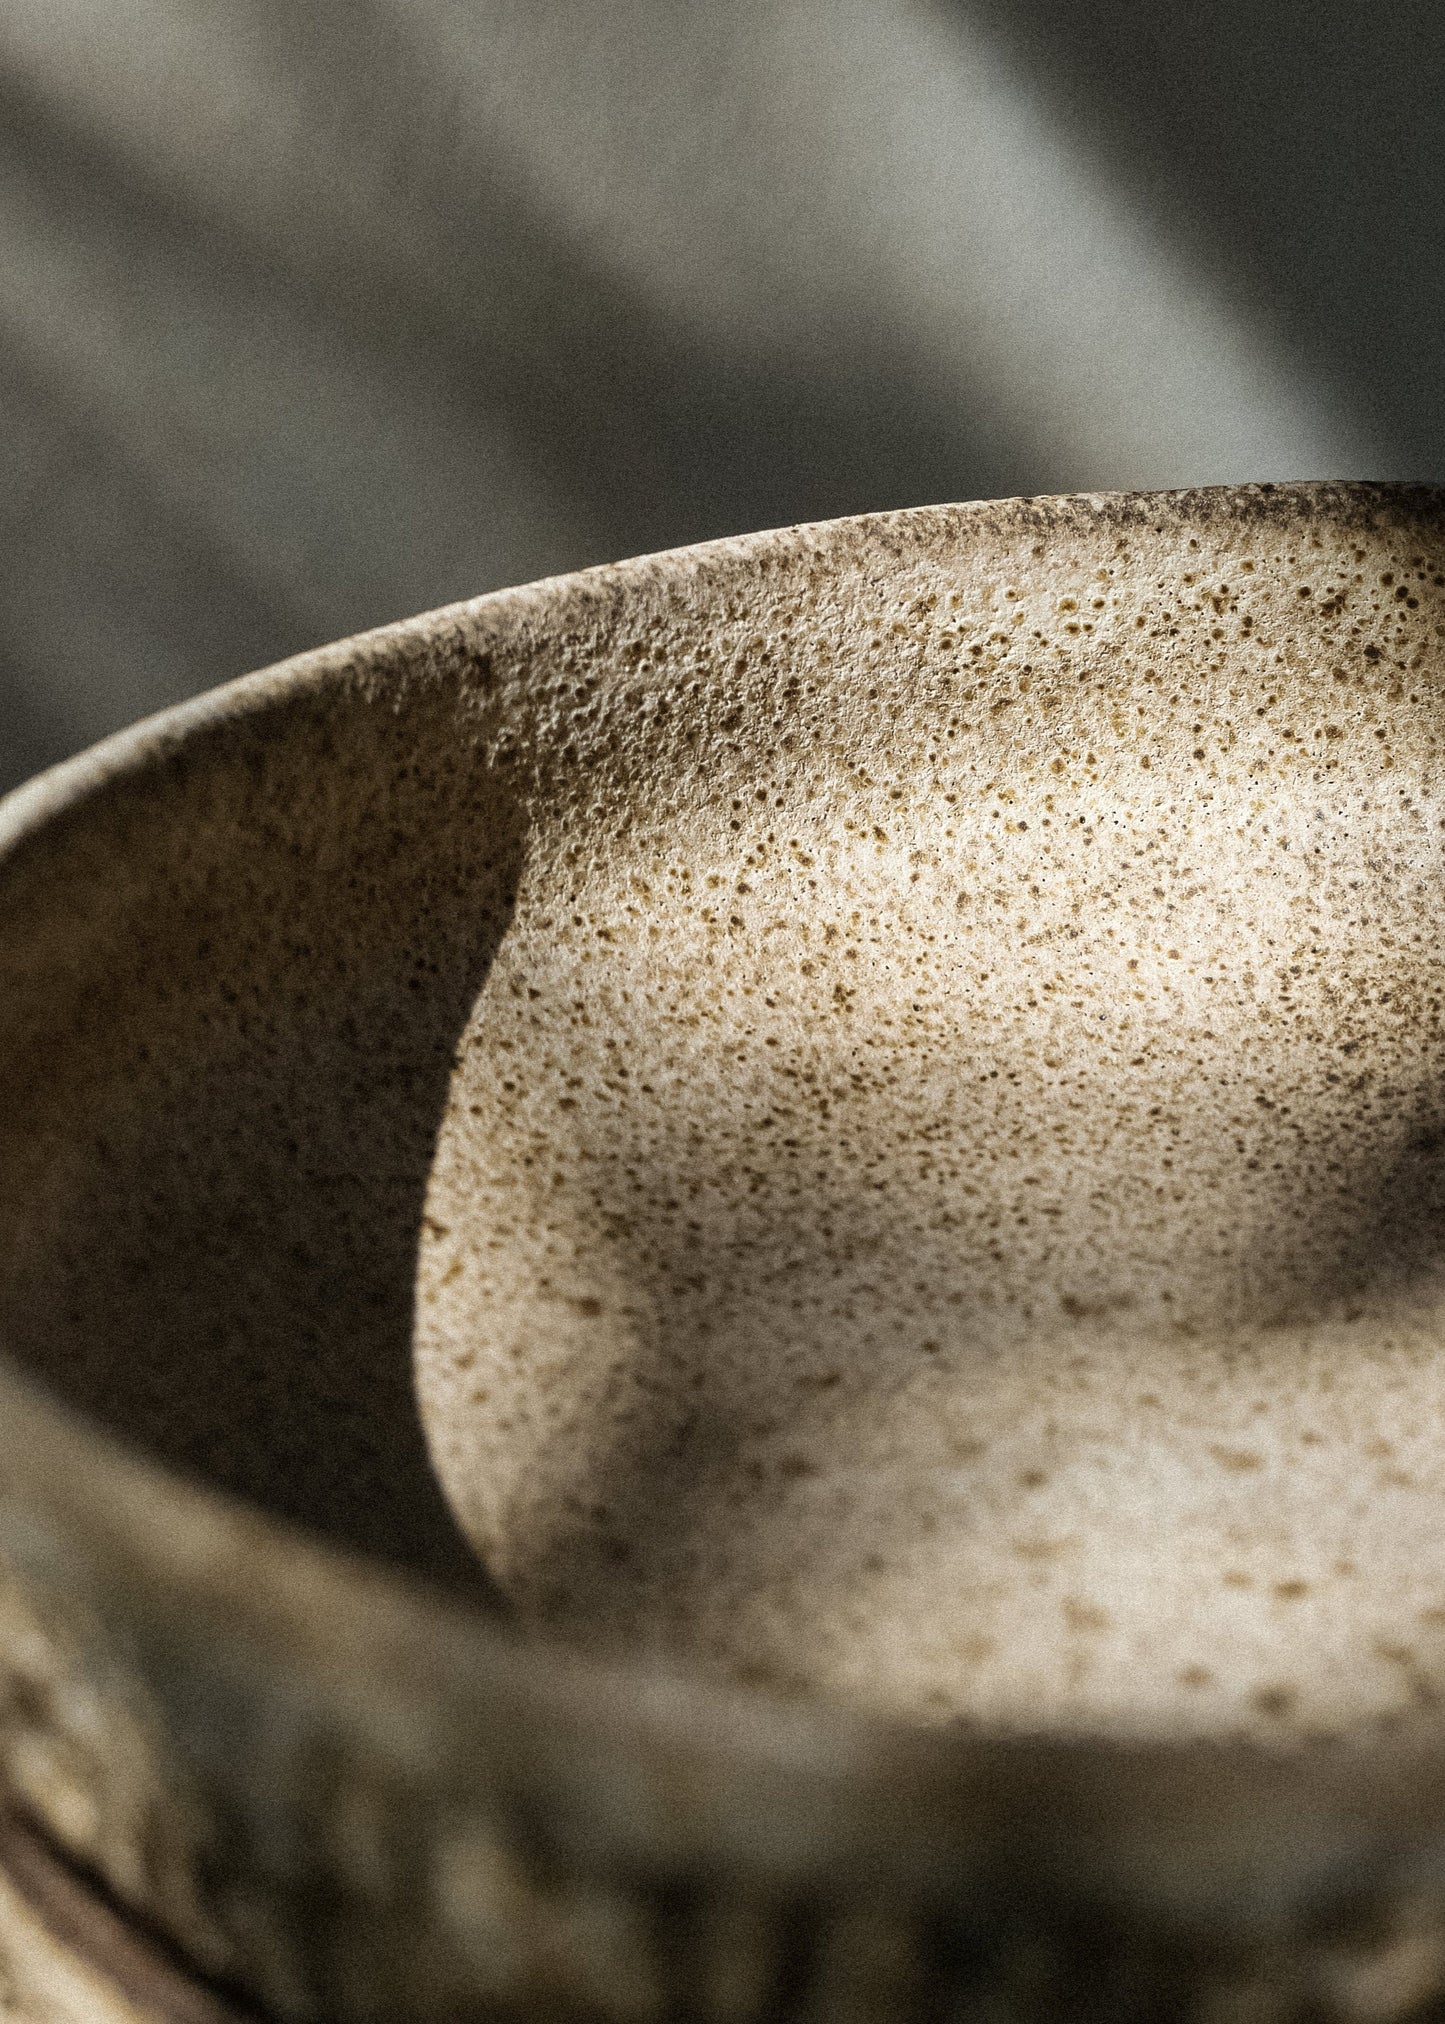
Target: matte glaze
738, 1377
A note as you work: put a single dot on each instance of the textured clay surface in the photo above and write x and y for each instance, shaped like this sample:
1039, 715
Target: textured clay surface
941, 1199
888, 1076
66, 1957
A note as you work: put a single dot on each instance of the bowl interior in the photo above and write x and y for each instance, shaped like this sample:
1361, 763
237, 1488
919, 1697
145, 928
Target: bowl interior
882, 1084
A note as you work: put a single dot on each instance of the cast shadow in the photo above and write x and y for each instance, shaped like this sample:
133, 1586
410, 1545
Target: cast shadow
228, 1074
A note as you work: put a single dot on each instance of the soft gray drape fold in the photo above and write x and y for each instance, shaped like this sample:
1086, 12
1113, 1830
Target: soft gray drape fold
311, 317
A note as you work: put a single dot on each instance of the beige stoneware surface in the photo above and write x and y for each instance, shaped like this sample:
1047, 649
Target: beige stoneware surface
859, 1111
941, 1199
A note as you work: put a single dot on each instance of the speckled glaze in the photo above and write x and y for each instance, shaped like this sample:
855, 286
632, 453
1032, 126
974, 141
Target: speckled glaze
879, 1086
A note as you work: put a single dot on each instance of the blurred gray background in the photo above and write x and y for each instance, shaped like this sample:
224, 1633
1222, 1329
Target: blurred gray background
316, 315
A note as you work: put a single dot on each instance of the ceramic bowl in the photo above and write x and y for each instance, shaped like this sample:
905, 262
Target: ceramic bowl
720, 1292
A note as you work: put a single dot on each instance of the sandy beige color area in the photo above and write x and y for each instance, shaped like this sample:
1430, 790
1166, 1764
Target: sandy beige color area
941, 1200
862, 1106
67, 1957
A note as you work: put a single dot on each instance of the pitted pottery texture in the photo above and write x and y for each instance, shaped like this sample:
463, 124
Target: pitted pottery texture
940, 1203
881, 1083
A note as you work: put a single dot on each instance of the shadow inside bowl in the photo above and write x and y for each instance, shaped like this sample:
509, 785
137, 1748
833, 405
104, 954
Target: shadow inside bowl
233, 991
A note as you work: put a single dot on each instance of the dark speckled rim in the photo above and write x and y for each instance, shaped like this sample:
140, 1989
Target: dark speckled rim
349, 1798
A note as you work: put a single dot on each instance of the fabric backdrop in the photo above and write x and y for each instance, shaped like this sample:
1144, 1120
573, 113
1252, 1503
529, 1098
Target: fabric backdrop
315, 313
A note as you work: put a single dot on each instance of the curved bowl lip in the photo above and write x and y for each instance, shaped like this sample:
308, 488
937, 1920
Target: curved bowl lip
1230, 1828
70, 782
25, 809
